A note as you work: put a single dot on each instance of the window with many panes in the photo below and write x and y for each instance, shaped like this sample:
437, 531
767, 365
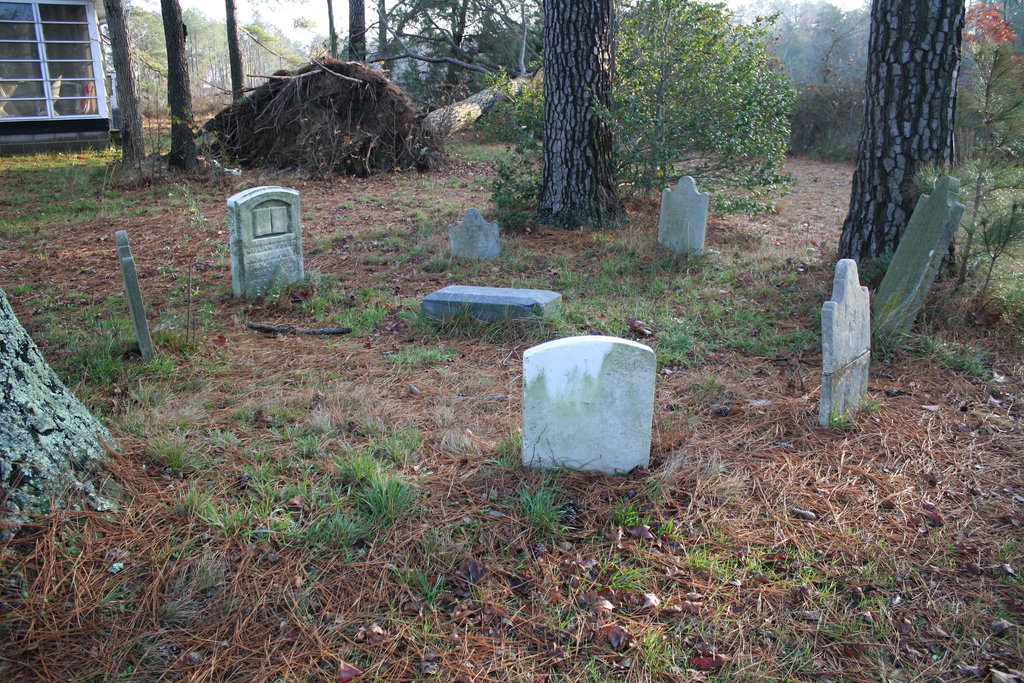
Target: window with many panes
49, 61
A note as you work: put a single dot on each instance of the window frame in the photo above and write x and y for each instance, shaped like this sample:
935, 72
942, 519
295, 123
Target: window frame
95, 59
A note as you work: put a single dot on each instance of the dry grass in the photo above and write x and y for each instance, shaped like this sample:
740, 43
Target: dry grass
340, 507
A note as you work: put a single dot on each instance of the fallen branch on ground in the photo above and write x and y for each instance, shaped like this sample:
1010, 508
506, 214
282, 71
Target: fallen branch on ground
271, 329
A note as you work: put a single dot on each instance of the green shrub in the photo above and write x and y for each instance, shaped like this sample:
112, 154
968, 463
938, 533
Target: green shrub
696, 94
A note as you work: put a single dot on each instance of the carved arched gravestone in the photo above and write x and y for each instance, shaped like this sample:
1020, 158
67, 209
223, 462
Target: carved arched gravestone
684, 218
474, 237
917, 259
845, 345
265, 234
588, 403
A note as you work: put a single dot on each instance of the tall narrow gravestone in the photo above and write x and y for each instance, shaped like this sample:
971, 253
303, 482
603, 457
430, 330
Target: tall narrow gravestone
266, 240
134, 294
684, 218
588, 403
845, 345
474, 237
916, 262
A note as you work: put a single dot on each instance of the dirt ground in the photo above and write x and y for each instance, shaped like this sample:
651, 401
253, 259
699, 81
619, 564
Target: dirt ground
774, 549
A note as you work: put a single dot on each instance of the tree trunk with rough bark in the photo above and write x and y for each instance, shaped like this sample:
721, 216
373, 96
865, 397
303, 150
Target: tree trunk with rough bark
578, 180
914, 58
179, 94
133, 146
234, 51
357, 30
52, 450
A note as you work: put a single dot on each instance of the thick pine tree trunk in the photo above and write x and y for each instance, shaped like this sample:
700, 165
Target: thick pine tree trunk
914, 58
179, 94
234, 51
133, 147
357, 30
51, 451
578, 182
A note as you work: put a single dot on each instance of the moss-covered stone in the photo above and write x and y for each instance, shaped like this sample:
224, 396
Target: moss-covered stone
51, 449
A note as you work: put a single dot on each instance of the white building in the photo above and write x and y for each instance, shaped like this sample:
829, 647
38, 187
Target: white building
52, 93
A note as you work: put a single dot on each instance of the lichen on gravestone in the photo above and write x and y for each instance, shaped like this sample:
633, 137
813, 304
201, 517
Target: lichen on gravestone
845, 345
52, 446
684, 218
473, 237
136, 309
917, 259
588, 403
265, 236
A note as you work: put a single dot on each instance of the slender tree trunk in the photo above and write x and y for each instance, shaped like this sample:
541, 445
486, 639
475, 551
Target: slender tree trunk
133, 146
179, 94
522, 39
913, 61
234, 51
382, 29
357, 30
578, 181
330, 28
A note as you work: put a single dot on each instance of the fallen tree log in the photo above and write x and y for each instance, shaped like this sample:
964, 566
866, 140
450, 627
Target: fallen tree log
455, 117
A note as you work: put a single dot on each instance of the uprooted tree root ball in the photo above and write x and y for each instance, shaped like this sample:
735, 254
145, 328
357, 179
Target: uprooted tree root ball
329, 116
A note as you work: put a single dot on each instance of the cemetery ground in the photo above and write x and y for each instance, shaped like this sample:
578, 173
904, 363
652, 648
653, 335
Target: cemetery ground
294, 507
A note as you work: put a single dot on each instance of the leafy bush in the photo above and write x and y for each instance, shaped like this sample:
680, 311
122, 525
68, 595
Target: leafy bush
991, 113
520, 121
516, 186
696, 94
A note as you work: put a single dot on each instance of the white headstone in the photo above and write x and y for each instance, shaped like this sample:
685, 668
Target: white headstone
474, 237
266, 240
845, 345
588, 403
684, 218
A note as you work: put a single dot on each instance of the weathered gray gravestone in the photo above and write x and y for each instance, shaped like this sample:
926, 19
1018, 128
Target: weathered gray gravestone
489, 303
684, 218
845, 345
131, 287
916, 262
51, 450
588, 403
474, 237
265, 235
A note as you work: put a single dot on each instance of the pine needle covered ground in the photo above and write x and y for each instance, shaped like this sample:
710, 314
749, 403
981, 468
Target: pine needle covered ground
299, 508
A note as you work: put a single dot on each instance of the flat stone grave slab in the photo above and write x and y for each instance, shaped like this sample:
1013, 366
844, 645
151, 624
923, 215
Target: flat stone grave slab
917, 259
136, 309
265, 236
474, 237
588, 403
684, 218
845, 345
489, 303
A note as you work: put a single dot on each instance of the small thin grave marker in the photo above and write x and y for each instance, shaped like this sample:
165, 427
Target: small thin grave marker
134, 295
